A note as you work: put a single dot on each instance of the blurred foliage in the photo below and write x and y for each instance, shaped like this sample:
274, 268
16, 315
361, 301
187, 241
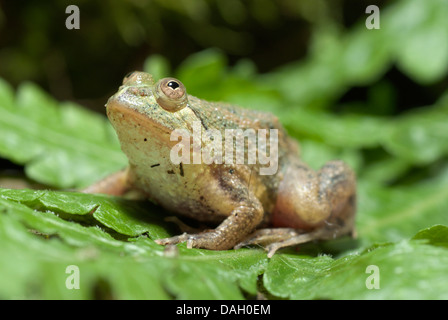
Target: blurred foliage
374, 98
116, 36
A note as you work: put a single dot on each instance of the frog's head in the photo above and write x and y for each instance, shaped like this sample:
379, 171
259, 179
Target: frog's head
149, 103
144, 113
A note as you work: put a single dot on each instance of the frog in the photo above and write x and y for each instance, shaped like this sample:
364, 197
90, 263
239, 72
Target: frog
240, 206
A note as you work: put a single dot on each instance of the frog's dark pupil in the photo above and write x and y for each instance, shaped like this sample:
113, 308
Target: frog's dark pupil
173, 85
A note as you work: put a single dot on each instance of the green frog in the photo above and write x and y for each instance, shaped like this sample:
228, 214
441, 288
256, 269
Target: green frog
289, 205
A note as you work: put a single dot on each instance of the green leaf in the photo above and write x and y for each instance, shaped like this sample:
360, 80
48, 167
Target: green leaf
48, 138
420, 42
125, 217
65, 233
394, 213
59, 240
407, 270
436, 235
203, 72
343, 131
158, 66
420, 135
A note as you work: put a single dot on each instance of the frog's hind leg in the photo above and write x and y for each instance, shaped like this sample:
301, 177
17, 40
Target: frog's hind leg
264, 237
309, 199
310, 206
273, 239
241, 222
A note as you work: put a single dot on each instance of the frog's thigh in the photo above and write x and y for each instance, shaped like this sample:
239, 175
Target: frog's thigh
310, 200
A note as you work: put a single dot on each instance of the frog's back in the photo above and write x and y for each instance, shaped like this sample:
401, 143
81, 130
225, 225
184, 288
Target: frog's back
222, 116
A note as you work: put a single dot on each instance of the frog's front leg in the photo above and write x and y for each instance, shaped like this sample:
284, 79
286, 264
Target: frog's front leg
115, 184
310, 206
238, 225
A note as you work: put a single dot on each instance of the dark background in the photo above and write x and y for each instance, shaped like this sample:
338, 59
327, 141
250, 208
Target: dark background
115, 37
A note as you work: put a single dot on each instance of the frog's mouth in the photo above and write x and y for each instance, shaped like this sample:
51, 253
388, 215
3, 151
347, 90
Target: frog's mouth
125, 118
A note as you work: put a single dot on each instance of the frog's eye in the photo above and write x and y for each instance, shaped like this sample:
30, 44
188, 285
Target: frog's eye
171, 94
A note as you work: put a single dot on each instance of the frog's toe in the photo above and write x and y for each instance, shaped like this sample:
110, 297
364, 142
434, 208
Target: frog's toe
270, 249
263, 237
293, 241
173, 240
211, 240
277, 238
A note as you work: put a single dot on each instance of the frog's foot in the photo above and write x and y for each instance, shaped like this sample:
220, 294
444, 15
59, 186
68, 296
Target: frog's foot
206, 240
267, 236
173, 240
241, 222
277, 238
293, 241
